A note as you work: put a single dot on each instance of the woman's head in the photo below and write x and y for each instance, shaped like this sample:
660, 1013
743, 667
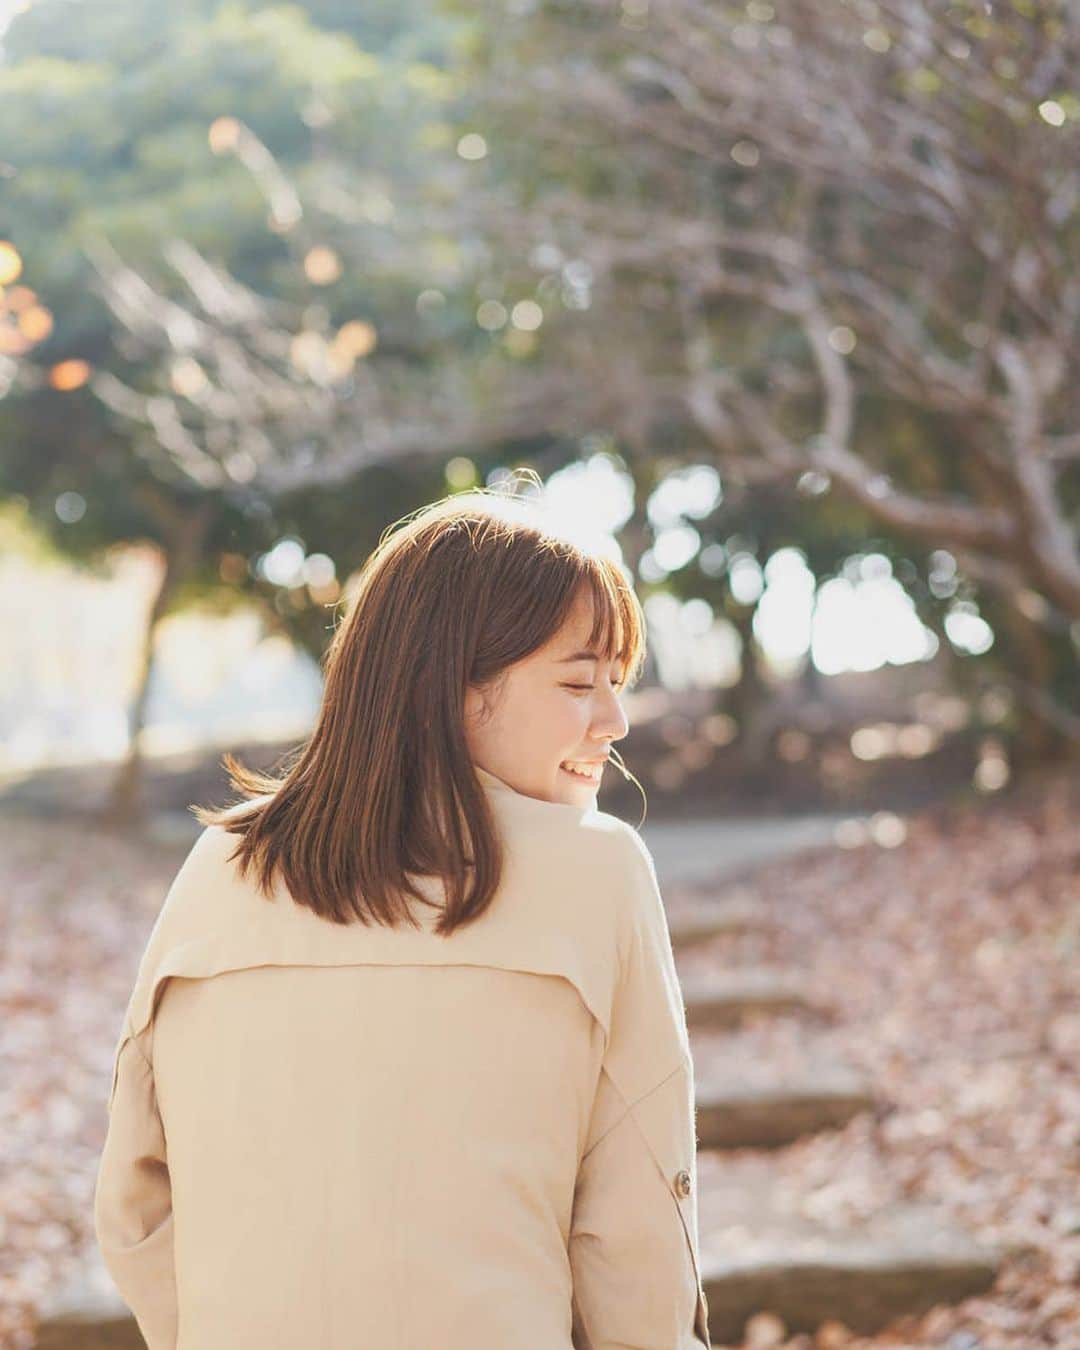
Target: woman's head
547, 723
455, 652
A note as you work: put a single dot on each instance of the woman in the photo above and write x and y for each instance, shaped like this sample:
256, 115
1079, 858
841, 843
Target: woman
341, 1119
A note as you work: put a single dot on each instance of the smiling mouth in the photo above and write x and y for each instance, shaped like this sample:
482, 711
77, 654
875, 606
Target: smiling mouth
587, 773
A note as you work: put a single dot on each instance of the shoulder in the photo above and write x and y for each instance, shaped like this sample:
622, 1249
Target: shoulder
207, 870
215, 844
625, 839
622, 846
587, 852
211, 847
641, 911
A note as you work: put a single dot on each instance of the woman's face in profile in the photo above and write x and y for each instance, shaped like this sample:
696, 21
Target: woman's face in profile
550, 719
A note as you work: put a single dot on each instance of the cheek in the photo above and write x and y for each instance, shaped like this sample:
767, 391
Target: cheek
573, 716
555, 722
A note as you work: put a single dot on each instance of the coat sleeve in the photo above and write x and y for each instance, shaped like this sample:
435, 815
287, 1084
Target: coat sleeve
133, 1217
634, 1231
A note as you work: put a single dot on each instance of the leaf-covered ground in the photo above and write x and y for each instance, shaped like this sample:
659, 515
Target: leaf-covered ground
951, 964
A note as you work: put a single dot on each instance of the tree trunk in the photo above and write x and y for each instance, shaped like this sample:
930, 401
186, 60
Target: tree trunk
749, 699
183, 550
1044, 730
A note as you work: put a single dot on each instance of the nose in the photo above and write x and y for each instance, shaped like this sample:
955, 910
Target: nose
610, 722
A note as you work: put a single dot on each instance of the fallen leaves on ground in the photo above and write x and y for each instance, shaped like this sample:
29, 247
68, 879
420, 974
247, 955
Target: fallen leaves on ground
947, 971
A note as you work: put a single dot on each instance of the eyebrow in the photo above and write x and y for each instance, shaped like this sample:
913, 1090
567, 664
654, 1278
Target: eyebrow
582, 656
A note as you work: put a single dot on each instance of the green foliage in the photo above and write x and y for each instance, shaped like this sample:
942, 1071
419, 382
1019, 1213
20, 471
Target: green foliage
107, 139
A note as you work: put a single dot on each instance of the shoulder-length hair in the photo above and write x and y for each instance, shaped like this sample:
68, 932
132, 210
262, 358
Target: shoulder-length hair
384, 789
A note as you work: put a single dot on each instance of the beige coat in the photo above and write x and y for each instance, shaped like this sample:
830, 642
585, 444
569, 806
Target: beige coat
327, 1137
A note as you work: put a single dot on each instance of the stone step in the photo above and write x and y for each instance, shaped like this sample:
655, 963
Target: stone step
771, 1244
725, 998
744, 1104
695, 923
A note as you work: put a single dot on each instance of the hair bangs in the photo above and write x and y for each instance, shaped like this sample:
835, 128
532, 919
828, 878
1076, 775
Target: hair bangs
618, 625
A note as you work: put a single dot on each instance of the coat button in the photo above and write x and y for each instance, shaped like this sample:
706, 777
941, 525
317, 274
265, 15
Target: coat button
682, 1182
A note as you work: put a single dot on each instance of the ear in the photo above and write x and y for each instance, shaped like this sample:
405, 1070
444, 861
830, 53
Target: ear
477, 706
480, 700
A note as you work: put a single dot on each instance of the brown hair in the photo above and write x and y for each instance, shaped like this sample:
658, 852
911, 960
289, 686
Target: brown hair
384, 788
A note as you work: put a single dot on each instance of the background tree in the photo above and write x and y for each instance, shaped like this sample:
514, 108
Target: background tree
838, 246
142, 144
